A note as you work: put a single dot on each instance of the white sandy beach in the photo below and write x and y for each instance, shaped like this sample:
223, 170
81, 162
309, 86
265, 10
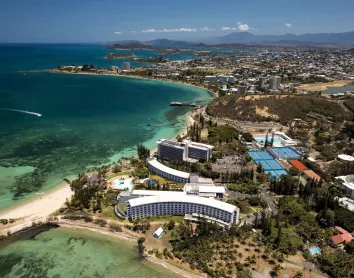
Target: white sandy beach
41, 207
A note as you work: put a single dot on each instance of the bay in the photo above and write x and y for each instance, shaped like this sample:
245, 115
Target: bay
86, 120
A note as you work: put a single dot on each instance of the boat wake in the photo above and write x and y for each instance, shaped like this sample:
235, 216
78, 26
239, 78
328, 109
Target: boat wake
22, 111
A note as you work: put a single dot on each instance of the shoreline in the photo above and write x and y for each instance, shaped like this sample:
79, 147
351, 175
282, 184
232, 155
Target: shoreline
123, 75
131, 239
125, 236
38, 208
324, 86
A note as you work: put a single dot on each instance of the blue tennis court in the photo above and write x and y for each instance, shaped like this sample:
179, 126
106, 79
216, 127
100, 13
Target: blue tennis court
269, 164
286, 153
277, 173
260, 155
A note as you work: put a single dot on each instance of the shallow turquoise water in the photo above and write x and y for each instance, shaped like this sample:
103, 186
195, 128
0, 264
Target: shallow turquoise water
337, 90
64, 252
86, 120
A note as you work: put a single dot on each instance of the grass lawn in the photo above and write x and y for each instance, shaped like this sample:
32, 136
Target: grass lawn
107, 212
123, 173
243, 215
159, 179
122, 207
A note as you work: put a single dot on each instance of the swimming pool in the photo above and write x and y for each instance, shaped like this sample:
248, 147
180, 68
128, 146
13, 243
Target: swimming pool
262, 139
126, 184
314, 250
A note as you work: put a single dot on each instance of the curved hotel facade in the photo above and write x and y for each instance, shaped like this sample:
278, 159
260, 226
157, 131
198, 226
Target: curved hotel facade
181, 204
167, 172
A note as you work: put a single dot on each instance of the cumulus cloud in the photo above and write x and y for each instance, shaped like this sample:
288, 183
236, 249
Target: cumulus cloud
243, 26
288, 25
228, 28
206, 29
169, 30
118, 33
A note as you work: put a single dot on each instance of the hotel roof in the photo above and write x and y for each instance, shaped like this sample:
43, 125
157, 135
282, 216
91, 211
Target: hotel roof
182, 198
168, 170
348, 181
155, 192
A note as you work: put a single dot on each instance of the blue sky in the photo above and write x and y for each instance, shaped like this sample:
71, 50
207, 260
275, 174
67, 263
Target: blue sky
111, 20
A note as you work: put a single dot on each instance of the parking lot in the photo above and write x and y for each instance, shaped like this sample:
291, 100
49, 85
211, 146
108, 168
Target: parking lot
228, 164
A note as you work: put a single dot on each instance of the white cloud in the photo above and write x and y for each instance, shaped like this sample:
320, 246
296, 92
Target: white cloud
288, 25
133, 32
243, 27
206, 29
169, 30
118, 33
228, 28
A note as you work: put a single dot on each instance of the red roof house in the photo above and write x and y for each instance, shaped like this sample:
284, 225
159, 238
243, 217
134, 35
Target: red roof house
343, 237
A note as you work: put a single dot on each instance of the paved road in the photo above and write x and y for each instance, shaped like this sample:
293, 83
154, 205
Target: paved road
309, 266
271, 206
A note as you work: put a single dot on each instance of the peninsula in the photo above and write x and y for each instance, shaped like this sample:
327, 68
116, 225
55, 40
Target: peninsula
119, 55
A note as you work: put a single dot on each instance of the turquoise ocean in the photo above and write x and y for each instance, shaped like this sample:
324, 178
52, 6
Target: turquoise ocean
69, 253
86, 120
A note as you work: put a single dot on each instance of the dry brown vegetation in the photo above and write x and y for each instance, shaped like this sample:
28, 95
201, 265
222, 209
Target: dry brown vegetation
280, 108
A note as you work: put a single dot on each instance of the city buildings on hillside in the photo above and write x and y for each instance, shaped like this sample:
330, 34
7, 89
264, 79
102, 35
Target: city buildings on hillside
183, 151
180, 204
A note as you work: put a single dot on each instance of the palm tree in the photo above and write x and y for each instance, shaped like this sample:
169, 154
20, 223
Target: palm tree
240, 256
275, 270
298, 274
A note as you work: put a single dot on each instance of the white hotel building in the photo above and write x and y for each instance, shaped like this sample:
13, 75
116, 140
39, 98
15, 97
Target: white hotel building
186, 150
180, 204
167, 172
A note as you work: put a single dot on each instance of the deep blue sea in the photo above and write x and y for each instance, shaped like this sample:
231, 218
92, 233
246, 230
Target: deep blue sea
86, 120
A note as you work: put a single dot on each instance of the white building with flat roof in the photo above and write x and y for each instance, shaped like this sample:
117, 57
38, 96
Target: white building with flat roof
181, 151
274, 82
199, 151
168, 204
167, 172
171, 150
126, 66
347, 203
345, 158
348, 183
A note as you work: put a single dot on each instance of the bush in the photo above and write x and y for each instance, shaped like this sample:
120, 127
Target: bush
115, 228
100, 222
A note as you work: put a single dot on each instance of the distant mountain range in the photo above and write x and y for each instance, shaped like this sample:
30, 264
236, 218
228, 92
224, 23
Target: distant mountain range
346, 38
320, 39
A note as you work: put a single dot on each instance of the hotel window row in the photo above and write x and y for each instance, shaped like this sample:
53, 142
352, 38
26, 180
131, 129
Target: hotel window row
167, 175
180, 208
